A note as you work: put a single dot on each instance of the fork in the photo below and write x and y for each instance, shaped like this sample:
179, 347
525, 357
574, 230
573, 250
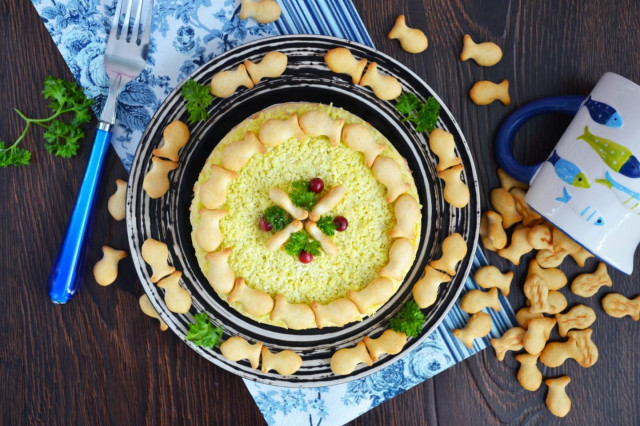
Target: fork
124, 59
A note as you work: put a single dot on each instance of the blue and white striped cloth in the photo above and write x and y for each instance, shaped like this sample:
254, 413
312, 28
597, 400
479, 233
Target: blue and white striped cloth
185, 35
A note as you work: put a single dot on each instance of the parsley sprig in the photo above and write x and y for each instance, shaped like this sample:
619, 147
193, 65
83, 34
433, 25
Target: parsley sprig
277, 217
203, 333
300, 241
62, 136
301, 195
409, 320
198, 99
423, 115
327, 225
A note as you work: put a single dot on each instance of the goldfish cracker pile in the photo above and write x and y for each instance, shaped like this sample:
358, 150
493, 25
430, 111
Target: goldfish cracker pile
546, 305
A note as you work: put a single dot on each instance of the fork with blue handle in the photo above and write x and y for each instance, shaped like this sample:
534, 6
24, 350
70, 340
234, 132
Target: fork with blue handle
124, 59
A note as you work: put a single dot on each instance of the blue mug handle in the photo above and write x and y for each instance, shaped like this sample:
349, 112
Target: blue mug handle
504, 140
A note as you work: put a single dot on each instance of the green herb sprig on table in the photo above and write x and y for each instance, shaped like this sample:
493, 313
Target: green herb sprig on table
198, 99
327, 225
301, 195
203, 333
300, 241
409, 320
277, 217
423, 115
62, 137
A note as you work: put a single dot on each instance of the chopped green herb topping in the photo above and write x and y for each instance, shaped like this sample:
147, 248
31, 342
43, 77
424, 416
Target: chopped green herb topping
198, 99
299, 241
301, 195
423, 115
277, 217
327, 225
203, 333
409, 320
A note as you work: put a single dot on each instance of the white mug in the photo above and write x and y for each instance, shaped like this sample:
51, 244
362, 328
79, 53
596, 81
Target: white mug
589, 187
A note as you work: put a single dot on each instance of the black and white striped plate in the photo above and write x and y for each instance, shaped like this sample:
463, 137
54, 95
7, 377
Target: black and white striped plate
306, 79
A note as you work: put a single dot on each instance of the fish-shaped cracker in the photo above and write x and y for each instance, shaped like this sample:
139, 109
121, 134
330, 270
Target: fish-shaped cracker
568, 171
602, 113
619, 158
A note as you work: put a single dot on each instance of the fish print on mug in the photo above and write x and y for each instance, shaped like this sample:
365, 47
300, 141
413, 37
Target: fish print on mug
619, 158
602, 113
568, 171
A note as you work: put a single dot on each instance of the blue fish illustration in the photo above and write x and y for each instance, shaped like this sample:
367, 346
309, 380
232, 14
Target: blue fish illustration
618, 157
603, 114
568, 171
588, 213
566, 197
630, 194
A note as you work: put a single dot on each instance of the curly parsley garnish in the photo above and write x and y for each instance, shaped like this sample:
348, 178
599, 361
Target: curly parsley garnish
301, 195
276, 217
300, 241
62, 136
409, 320
327, 225
423, 115
198, 99
203, 333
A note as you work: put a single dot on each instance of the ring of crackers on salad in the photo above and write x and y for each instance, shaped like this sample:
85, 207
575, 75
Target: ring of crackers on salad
305, 216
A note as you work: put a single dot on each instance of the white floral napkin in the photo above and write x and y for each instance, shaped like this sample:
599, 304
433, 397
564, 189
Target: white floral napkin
185, 35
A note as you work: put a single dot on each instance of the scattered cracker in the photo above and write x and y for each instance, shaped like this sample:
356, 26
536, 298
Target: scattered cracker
479, 325
411, 40
345, 360
407, 212
117, 202
340, 60
297, 316
225, 83
425, 290
492, 232
285, 362
105, 271
236, 348
484, 54
400, 259
586, 285
485, 92
148, 309
456, 192
177, 299
385, 87
237, 154
358, 137
318, 123
272, 65
263, 11
558, 402
174, 137
156, 181
443, 145
390, 342
388, 173
155, 253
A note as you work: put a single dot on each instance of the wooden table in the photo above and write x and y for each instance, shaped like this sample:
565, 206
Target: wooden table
99, 360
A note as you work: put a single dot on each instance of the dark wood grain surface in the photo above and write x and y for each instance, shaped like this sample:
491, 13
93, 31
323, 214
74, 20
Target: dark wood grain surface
98, 360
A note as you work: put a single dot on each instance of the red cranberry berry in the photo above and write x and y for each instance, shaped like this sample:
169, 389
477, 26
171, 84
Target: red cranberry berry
305, 257
341, 223
316, 185
264, 225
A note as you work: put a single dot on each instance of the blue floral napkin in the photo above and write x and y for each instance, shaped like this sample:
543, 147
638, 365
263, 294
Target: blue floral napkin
185, 35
